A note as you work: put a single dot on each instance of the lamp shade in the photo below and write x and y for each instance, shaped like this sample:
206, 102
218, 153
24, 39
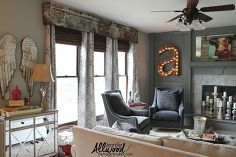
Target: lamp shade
181, 26
42, 73
197, 25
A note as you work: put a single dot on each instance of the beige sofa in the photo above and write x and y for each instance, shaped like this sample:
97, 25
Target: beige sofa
86, 144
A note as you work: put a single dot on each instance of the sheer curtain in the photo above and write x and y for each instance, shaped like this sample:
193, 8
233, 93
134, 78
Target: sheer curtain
50, 97
86, 105
133, 71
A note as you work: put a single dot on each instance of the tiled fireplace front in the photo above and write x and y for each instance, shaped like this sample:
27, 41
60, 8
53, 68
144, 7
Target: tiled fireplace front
198, 80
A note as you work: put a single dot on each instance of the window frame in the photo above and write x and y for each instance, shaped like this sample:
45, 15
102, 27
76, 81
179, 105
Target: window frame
66, 76
100, 117
126, 74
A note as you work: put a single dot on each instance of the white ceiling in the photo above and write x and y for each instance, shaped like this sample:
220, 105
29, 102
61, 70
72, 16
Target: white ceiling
137, 13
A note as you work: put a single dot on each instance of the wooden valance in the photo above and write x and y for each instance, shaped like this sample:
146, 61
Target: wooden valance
53, 14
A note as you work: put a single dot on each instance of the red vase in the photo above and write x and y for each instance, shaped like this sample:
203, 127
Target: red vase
16, 93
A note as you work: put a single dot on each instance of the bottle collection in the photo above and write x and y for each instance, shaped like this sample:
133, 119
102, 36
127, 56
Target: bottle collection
218, 107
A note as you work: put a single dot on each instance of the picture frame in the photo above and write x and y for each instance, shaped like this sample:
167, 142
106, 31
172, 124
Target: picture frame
216, 47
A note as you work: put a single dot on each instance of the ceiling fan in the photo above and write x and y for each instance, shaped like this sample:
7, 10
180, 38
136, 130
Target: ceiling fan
191, 14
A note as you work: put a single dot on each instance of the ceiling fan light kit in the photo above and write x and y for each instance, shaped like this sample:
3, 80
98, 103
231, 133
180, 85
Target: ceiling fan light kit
191, 17
180, 25
197, 25
184, 26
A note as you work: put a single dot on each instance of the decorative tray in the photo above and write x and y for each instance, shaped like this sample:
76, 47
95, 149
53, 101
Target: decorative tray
219, 139
208, 140
5, 113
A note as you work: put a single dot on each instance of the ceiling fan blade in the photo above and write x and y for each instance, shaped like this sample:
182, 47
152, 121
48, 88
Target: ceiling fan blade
176, 11
204, 17
218, 8
192, 3
174, 18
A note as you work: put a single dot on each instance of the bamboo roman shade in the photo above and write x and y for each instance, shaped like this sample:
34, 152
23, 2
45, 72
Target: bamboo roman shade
74, 37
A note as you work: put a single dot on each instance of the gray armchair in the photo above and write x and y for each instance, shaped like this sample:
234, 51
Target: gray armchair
167, 109
117, 110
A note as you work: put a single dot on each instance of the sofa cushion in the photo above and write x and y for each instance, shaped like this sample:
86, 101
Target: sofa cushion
199, 147
118, 104
166, 115
136, 136
168, 100
87, 141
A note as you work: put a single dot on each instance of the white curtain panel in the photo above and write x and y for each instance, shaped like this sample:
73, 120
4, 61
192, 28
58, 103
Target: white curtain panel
133, 72
50, 97
111, 68
86, 105
111, 64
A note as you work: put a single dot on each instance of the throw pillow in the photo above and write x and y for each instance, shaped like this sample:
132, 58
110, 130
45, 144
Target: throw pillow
125, 127
168, 100
118, 104
117, 126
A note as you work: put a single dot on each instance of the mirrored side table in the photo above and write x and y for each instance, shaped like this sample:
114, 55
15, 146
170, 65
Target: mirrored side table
30, 135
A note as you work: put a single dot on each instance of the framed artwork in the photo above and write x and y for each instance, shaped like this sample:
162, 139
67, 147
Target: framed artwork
216, 47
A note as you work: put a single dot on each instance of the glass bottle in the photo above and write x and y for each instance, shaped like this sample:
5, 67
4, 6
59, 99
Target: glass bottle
130, 100
136, 97
16, 93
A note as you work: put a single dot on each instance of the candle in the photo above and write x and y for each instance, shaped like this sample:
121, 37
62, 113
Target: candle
211, 100
215, 89
224, 94
230, 98
228, 104
234, 105
203, 103
207, 98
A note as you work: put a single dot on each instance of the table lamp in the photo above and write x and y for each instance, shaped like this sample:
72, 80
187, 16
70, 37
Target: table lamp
42, 73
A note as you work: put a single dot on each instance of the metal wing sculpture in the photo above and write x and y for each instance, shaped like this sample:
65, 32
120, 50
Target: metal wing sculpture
7, 61
29, 58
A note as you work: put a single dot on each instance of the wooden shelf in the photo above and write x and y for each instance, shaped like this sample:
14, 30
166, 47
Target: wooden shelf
222, 121
213, 64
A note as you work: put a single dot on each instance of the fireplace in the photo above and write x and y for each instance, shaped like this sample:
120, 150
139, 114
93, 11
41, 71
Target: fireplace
203, 84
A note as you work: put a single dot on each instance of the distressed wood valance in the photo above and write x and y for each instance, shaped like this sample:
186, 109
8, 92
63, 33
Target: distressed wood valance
68, 18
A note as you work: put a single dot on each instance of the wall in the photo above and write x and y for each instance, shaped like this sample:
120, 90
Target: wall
23, 19
143, 65
182, 41
191, 69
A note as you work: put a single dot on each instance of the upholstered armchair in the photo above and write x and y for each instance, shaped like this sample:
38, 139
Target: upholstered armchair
167, 109
117, 110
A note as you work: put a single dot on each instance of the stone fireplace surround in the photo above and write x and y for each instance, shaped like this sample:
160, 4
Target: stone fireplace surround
207, 79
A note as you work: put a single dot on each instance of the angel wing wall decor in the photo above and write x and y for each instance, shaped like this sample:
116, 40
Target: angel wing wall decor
7, 61
29, 58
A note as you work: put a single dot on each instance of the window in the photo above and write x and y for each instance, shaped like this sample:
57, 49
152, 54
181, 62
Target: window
67, 45
67, 82
99, 78
99, 81
122, 73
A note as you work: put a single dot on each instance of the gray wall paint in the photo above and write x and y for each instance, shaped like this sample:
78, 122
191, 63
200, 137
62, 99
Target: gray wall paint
24, 19
185, 42
143, 65
182, 41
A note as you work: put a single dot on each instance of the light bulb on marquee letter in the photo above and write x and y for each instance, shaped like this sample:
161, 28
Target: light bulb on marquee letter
175, 59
